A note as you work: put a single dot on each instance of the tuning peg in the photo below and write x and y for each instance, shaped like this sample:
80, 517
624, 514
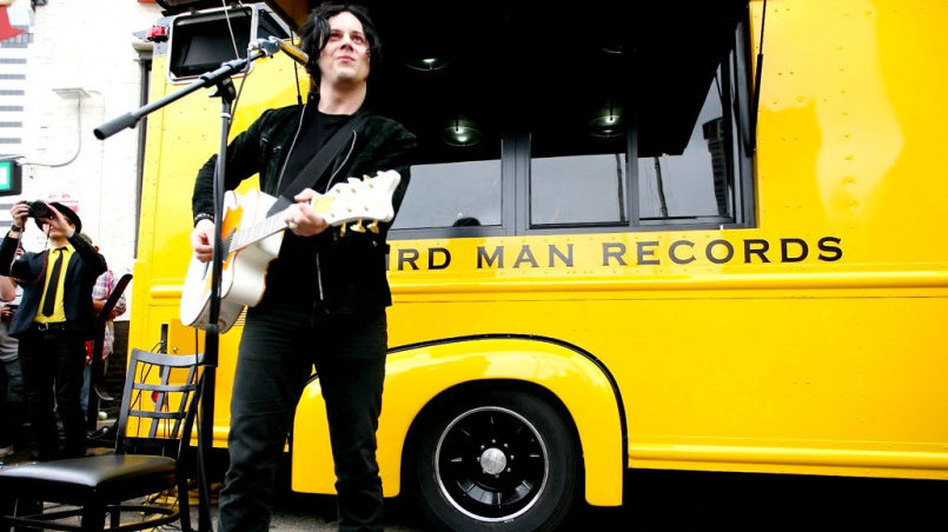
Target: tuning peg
358, 227
374, 226
342, 230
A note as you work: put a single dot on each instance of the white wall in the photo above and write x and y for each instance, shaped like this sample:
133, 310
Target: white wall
86, 44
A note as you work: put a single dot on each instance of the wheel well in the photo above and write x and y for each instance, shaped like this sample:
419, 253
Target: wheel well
465, 389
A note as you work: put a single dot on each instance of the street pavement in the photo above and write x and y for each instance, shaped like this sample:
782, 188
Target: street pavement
673, 501
293, 512
298, 512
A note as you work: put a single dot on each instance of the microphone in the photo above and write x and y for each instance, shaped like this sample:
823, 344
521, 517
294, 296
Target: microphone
298, 55
267, 47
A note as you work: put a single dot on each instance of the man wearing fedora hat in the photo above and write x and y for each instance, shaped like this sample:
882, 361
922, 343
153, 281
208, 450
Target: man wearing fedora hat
54, 320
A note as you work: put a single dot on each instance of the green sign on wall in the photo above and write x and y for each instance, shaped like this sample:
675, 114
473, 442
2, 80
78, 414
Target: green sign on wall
11, 181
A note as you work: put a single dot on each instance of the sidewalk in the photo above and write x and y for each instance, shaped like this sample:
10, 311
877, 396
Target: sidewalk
299, 513
294, 512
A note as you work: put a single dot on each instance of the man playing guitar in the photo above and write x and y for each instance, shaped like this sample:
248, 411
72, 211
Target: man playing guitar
325, 296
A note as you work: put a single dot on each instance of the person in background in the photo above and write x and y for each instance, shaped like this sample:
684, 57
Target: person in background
104, 286
54, 320
11, 379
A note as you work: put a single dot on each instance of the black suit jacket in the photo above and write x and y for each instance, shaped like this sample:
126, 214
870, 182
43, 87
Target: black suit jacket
30, 271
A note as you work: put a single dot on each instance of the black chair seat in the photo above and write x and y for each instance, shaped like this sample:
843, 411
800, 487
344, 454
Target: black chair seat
108, 477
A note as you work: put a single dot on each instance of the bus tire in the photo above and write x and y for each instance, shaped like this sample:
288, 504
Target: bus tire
496, 461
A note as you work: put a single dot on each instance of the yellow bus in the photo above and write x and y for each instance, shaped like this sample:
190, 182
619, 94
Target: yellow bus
621, 247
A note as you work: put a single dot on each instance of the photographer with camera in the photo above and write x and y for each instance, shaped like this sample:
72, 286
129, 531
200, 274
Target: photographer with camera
54, 320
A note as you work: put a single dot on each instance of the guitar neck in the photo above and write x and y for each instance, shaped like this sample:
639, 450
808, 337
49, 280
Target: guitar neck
271, 225
353, 200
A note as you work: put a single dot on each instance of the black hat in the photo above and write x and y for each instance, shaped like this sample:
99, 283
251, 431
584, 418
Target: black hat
68, 213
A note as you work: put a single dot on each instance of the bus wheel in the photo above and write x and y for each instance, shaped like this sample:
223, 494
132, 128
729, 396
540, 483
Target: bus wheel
500, 461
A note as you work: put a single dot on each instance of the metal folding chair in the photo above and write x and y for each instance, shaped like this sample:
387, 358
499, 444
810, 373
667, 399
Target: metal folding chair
151, 457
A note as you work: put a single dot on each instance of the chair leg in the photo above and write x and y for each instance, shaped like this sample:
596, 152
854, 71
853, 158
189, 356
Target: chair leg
184, 504
93, 517
115, 517
7, 507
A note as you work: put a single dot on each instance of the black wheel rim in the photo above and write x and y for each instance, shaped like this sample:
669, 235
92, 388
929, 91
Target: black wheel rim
491, 464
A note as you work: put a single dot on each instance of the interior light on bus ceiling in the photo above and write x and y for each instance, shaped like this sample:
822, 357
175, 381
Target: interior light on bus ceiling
613, 48
461, 133
607, 123
427, 64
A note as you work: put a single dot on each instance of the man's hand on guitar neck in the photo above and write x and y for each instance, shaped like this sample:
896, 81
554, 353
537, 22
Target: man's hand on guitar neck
301, 219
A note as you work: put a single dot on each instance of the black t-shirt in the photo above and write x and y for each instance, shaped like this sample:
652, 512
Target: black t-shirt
292, 280
317, 128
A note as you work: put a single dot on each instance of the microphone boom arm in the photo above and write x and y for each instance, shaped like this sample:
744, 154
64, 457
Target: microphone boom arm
208, 79
298, 55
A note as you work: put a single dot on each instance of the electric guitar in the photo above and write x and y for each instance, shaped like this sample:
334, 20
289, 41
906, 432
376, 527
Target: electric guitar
251, 239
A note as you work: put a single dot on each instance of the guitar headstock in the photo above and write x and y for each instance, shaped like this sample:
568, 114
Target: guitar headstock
355, 200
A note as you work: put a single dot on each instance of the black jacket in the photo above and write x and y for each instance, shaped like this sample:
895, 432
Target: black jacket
339, 274
30, 271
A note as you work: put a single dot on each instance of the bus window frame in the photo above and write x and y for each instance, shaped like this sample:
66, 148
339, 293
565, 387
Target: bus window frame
507, 212
516, 164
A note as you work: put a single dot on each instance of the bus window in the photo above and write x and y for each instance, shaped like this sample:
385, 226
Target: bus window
700, 173
681, 125
578, 189
454, 194
699, 182
651, 133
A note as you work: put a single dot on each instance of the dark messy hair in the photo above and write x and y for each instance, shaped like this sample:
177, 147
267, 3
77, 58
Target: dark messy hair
315, 31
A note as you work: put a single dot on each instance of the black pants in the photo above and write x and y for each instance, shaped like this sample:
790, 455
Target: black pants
277, 352
11, 402
52, 363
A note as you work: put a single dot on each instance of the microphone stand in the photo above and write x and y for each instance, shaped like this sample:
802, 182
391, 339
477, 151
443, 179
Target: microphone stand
225, 91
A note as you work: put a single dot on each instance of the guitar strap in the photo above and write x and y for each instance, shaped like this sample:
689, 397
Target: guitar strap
317, 165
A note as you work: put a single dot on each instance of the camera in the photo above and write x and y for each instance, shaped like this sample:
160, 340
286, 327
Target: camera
38, 209
7, 312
